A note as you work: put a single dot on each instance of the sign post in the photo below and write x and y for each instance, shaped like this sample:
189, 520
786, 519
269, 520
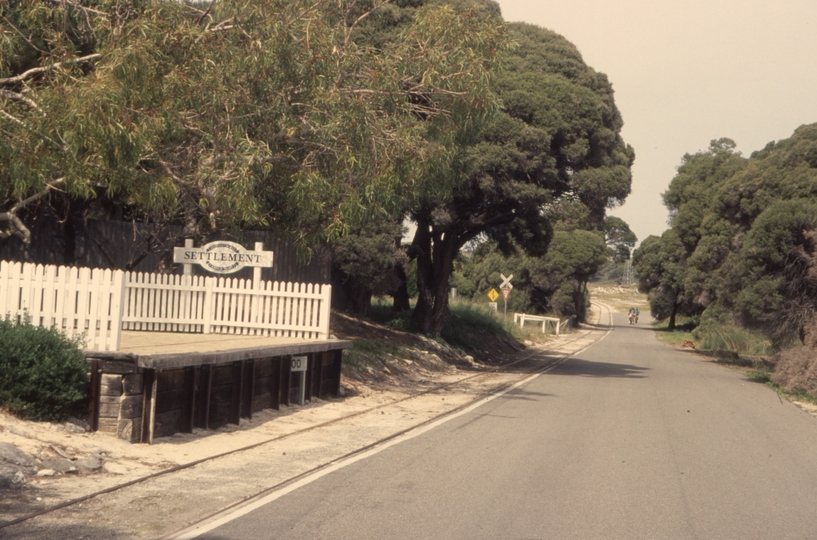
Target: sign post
506, 290
299, 364
492, 296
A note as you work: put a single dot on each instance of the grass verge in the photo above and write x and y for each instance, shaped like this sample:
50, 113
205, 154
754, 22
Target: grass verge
682, 333
364, 352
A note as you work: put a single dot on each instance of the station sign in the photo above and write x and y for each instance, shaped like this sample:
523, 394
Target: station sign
222, 257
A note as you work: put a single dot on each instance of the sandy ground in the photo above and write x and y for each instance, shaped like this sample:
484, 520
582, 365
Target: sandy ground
297, 439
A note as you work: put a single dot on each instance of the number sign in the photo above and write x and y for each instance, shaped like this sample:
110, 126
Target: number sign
299, 363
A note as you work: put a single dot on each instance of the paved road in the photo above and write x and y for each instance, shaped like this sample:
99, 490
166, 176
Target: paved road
629, 439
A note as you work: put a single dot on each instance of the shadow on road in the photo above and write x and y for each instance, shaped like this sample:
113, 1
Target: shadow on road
638, 326
586, 368
526, 395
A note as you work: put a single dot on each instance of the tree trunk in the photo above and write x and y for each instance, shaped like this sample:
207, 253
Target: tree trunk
671, 325
401, 295
75, 228
361, 301
581, 293
348, 294
435, 264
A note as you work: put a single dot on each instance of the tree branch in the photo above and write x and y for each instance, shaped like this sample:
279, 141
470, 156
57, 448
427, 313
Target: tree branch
34, 71
16, 225
8, 94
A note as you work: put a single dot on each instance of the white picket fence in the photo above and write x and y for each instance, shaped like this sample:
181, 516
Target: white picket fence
74, 300
101, 303
209, 305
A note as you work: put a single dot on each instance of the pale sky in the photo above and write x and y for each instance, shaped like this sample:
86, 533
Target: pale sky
689, 71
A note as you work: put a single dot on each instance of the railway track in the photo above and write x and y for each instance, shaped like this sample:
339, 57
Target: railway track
537, 362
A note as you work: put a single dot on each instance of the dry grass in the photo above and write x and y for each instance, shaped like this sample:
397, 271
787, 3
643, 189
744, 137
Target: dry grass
619, 297
796, 371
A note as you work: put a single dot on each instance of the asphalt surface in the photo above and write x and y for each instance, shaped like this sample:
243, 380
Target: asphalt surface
629, 439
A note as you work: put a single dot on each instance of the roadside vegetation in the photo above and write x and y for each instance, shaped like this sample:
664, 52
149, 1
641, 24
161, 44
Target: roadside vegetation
738, 261
473, 336
43, 374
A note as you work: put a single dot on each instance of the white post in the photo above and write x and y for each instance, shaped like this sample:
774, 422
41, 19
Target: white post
209, 285
256, 271
188, 268
326, 300
256, 286
118, 308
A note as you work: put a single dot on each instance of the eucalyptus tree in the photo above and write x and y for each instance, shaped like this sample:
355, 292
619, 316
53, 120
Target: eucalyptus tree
225, 114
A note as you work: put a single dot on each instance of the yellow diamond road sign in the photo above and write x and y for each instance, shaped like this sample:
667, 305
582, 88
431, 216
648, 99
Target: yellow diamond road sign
493, 295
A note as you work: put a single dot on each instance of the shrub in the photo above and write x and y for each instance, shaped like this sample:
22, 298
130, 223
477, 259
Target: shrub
796, 369
717, 332
43, 374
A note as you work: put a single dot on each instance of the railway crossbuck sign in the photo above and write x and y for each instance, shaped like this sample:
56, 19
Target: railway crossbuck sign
506, 281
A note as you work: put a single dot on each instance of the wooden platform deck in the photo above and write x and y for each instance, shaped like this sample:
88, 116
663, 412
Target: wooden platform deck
168, 350
160, 383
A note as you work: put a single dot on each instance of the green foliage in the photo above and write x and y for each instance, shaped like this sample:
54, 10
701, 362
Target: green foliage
619, 237
473, 324
364, 263
43, 375
263, 113
364, 352
560, 278
555, 283
610, 272
743, 237
733, 339
479, 272
384, 313
555, 145
774, 269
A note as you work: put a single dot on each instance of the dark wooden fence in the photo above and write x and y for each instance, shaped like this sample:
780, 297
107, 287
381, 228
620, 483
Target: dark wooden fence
128, 246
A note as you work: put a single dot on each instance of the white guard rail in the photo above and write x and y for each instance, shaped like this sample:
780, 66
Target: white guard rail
522, 318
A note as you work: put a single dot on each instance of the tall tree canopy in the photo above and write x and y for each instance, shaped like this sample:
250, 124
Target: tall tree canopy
232, 113
619, 237
555, 144
746, 228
